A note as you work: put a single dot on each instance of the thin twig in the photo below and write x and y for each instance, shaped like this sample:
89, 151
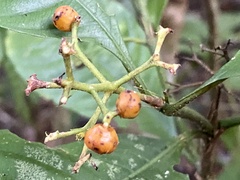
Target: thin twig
225, 50
212, 13
212, 51
201, 63
180, 87
213, 113
135, 40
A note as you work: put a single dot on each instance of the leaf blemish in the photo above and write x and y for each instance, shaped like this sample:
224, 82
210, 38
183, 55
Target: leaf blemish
132, 137
44, 156
166, 174
26, 170
158, 176
132, 163
139, 147
112, 170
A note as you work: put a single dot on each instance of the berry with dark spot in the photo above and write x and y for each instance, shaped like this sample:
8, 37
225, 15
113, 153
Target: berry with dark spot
101, 139
128, 104
63, 18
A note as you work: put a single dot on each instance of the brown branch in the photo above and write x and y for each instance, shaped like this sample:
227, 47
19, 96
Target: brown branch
198, 61
225, 50
180, 87
213, 113
208, 157
212, 14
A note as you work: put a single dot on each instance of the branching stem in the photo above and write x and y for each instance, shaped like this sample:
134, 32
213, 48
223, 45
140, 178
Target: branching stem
80, 55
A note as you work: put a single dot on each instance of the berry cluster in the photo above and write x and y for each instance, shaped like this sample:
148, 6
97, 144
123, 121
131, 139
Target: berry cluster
100, 138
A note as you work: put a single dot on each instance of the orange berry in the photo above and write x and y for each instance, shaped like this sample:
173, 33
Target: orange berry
101, 139
64, 16
128, 104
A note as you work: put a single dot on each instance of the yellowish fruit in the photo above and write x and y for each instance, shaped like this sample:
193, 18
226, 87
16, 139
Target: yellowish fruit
128, 104
101, 139
63, 18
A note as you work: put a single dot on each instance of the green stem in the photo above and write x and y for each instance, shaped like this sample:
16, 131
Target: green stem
66, 94
68, 67
189, 114
135, 72
115, 86
99, 102
135, 40
109, 116
57, 135
98, 87
97, 112
90, 123
229, 122
80, 55
170, 109
162, 33
194, 116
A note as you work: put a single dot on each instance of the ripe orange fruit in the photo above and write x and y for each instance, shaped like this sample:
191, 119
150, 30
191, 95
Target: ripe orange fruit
128, 104
101, 139
63, 18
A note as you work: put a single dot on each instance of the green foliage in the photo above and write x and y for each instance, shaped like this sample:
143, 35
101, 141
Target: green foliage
95, 24
29, 59
35, 50
40, 56
145, 157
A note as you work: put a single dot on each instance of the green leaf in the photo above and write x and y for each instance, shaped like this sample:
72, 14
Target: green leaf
13, 82
229, 122
2, 43
21, 159
231, 138
40, 57
155, 10
145, 157
35, 18
130, 29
